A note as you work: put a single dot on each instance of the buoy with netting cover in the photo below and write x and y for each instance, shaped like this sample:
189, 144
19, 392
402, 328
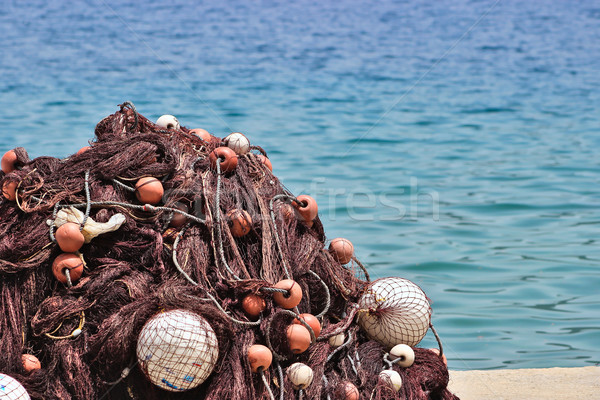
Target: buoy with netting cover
11, 389
177, 350
394, 311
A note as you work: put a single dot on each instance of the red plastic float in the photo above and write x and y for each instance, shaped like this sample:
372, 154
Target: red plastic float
202, 134
30, 363
306, 207
69, 237
149, 190
312, 321
265, 161
253, 305
68, 261
342, 250
229, 159
8, 161
293, 298
298, 338
9, 190
240, 222
260, 357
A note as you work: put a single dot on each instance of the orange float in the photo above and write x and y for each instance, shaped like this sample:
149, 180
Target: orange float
342, 250
444, 359
260, 357
9, 190
149, 190
69, 237
306, 207
298, 338
202, 134
350, 391
312, 321
9, 159
229, 159
30, 363
240, 222
83, 150
265, 161
179, 220
293, 298
253, 305
67, 261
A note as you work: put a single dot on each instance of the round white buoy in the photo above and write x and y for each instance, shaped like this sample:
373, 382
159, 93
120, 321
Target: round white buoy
337, 340
395, 311
238, 143
11, 389
301, 375
177, 350
392, 378
168, 121
404, 354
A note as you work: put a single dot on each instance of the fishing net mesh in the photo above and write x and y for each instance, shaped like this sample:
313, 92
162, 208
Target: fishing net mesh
86, 333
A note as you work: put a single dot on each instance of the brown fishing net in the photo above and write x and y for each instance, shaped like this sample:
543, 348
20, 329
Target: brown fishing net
156, 287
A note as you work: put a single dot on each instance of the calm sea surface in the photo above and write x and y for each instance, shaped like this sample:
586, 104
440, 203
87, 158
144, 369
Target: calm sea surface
455, 143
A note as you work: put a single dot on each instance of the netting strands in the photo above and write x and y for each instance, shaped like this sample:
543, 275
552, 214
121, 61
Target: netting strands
179, 268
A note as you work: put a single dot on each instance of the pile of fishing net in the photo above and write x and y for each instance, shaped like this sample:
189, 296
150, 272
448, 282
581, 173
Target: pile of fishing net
165, 263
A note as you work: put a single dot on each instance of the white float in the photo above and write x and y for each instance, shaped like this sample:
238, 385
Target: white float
404, 354
392, 378
301, 375
168, 122
238, 143
393, 311
177, 350
11, 389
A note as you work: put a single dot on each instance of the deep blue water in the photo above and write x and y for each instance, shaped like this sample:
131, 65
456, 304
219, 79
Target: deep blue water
455, 143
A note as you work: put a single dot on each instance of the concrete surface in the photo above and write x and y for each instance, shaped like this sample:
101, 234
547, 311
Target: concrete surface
527, 384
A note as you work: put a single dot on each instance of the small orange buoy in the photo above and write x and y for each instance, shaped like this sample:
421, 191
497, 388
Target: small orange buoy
240, 222
83, 150
9, 190
229, 159
202, 134
8, 161
179, 220
293, 298
149, 190
298, 338
253, 305
265, 161
312, 321
342, 250
30, 362
307, 207
444, 359
69, 237
350, 391
67, 261
260, 357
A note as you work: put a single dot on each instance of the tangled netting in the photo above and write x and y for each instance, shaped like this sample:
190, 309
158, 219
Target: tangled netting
85, 329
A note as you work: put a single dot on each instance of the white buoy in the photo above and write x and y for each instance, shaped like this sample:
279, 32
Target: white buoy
168, 122
392, 378
395, 310
337, 340
404, 354
238, 143
11, 389
301, 375
177, 350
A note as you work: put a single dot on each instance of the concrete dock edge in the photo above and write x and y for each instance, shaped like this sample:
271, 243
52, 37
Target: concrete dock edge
527, 384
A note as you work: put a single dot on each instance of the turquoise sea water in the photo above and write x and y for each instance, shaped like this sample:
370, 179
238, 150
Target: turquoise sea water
455, 143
